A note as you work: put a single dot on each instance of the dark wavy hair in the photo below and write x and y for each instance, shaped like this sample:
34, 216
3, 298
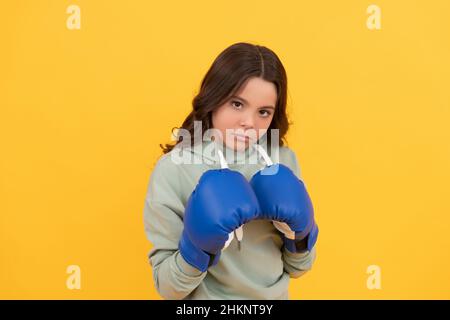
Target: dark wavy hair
229, 71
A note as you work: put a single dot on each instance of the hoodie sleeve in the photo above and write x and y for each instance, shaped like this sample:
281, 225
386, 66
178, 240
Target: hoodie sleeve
174, 278
297, 264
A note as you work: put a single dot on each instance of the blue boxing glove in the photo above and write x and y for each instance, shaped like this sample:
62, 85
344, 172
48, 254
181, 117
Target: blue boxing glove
284, 199
222, 201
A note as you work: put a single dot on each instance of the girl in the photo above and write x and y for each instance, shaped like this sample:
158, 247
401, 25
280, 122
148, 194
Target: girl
242, 99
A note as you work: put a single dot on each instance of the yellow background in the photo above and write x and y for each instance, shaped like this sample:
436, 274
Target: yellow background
83, 113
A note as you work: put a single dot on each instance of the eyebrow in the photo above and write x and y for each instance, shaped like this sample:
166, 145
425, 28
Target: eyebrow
245, 101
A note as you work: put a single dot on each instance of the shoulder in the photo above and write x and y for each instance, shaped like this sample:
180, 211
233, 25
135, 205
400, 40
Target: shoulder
287, 153
288, 157
162, 166
164, 175
165, 162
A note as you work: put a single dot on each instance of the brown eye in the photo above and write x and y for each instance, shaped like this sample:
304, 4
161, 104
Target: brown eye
236, 104
264, 113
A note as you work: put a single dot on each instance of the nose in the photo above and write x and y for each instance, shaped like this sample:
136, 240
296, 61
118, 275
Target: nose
247, 121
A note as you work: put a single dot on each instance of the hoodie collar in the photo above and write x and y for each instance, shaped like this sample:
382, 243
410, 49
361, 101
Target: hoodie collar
207, 153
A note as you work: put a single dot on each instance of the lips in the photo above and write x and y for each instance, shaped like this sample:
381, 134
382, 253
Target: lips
241, 137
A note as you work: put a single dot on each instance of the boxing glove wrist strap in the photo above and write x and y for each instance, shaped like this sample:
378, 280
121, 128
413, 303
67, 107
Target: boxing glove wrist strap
195, 256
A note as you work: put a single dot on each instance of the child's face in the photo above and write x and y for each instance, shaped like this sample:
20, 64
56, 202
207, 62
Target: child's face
249, 113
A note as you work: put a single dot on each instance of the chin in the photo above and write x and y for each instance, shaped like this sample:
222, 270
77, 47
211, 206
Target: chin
241, 148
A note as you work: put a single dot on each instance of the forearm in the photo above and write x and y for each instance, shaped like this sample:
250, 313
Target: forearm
174, 278
297, 264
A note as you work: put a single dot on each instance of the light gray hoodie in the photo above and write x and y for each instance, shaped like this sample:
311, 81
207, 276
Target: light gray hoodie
260, 269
